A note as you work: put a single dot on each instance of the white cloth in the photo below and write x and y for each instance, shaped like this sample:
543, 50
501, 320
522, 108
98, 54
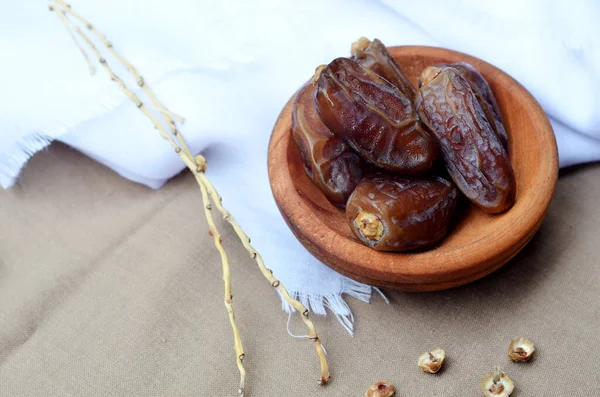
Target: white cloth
229, 66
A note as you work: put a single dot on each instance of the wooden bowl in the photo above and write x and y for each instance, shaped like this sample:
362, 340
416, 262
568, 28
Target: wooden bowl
477, 245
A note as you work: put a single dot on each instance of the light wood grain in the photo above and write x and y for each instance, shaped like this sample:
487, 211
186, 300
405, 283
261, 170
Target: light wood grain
478, 244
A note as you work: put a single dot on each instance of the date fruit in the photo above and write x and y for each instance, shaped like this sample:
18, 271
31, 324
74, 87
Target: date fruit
473, 153
373, 117
332, 166
392, 213
485, 96
374, 56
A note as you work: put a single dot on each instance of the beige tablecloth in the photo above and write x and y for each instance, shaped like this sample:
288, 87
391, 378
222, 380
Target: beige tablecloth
110, 289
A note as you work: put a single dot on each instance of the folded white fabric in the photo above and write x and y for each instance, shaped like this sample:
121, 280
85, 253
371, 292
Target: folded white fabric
228, 68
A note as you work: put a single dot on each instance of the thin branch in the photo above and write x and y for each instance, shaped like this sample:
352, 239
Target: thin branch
239, 351
228, 297
68, 25
268, 274
138, 78
197, 165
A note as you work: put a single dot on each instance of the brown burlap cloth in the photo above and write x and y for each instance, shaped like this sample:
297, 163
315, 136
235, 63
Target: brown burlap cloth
111, 289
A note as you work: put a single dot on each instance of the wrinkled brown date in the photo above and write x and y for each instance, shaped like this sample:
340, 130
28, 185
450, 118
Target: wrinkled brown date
485, 97
473, 153
374, 56
373, 117
332, 166
392, 213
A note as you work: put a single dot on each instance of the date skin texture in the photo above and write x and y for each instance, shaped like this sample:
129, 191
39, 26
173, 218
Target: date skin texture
332, 166
485, 96
393, 213
374, 56
374, 118
472, 151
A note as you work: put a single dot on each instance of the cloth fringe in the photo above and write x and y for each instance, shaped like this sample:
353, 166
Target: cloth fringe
13, 159
334, 302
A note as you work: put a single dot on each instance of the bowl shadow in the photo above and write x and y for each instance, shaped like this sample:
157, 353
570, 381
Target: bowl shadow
505, 290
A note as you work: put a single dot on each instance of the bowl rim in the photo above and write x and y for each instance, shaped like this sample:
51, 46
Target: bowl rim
457, 262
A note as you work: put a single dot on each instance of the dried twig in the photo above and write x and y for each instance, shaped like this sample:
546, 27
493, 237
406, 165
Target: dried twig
197, 165
191, 163
268, 274
70, 28
239, 350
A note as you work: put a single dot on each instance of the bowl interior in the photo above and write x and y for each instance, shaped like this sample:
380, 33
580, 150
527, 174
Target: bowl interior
477, 241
